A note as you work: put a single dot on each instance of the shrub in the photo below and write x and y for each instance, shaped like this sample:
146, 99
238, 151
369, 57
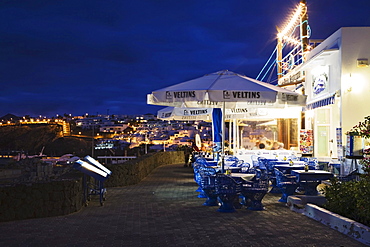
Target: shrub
350, 199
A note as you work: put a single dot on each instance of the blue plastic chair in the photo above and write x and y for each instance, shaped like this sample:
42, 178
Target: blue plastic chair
254, 191
305, 159
270, 166
255, 161
227, 190
235, 161
208, 185
352, 176
262, 163
244, 168
198, 180
286, 183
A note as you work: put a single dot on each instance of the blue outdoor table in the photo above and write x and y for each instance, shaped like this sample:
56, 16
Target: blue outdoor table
310, 179
282, 162
243, 176
286, 168
212, 162
233, 169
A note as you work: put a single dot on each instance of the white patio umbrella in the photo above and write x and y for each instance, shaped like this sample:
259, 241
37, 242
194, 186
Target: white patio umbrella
205, 114
184, 114
208, 114
231, 115
226, 90
194, 114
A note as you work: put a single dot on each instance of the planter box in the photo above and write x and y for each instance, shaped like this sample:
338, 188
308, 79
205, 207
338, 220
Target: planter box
337, 222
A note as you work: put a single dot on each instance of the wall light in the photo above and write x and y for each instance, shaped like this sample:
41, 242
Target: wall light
97, 164
90, 170
362, 63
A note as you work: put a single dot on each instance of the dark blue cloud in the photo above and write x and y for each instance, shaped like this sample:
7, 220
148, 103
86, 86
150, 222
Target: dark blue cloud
83, 56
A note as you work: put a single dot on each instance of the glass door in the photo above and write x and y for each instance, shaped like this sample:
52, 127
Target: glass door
322, 133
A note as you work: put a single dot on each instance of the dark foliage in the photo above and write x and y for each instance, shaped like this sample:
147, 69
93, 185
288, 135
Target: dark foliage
32, 139
350, 199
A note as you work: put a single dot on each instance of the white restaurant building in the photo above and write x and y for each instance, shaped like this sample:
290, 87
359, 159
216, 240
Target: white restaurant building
336, 79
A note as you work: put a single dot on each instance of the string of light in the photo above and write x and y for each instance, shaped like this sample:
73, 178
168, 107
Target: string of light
286, 36
293, 21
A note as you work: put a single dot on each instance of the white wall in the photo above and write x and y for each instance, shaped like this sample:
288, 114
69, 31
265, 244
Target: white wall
352, 84
326, 57
355, 81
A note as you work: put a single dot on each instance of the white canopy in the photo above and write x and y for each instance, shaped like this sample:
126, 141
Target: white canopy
191, 114
205, 114
225, 89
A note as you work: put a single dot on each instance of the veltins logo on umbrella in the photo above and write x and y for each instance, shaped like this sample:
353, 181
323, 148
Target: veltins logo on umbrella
226, 94
186, 112
168, 95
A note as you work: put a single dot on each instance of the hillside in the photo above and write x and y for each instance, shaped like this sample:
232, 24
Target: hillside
32, 139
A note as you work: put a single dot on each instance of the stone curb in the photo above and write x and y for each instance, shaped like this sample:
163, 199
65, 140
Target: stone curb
337, 222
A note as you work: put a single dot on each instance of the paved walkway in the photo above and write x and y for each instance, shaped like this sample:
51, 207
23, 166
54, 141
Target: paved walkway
163, 210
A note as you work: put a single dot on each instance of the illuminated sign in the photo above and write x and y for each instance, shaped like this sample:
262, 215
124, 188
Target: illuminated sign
105, 145
319, 83
289, 97
320, 80
296, 77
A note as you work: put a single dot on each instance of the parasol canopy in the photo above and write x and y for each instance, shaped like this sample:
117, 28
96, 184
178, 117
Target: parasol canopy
206, 114
225, 89
184, 114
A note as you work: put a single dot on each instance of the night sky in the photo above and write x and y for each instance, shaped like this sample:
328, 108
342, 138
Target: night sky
98, 57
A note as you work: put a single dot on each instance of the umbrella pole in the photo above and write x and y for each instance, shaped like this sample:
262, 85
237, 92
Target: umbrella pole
235, 136
223, 139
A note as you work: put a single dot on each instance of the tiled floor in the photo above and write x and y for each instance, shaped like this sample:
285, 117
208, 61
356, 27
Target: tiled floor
164, 210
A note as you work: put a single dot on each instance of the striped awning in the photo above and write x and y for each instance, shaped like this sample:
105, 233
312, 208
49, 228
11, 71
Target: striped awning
320, 103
